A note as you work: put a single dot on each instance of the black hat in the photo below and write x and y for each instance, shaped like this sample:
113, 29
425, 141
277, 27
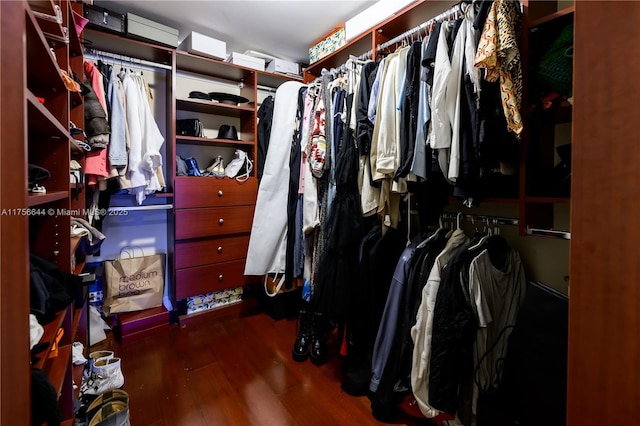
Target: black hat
227, 98
199, 95
228, 132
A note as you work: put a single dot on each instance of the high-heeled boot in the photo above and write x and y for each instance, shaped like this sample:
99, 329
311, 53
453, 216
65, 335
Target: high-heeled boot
300, 350
318, 352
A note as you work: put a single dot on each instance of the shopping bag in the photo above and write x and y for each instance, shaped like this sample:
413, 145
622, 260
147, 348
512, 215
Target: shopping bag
133, 283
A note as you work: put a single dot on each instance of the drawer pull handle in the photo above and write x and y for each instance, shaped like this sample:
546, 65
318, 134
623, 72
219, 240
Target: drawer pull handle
220, 193
220, 277
221, 222
220, 249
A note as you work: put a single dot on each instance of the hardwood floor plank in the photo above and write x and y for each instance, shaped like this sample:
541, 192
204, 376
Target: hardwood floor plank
235, 369
217, 399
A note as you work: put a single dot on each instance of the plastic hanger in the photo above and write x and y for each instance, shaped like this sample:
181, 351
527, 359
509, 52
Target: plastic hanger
483, 239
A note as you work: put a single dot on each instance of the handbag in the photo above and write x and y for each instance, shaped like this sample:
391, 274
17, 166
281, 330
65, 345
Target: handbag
133, 283
189, 127
240, 167
192, 167
555, 69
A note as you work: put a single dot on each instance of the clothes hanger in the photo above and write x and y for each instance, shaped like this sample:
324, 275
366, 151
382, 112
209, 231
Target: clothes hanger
483, 239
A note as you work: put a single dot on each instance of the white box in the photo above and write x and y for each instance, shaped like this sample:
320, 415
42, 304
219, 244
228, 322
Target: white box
247, 61
285, 67
202, 45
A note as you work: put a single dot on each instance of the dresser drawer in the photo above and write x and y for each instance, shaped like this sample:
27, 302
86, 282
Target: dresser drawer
212, 222
201, 252
208, 278
191, 192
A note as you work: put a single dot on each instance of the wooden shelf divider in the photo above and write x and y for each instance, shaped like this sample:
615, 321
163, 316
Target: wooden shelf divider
40, 199
553, 16
57, 367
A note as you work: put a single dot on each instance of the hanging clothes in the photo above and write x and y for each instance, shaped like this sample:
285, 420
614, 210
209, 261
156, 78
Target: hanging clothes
421, 333
336, 275
267, 243
265, 117
496, 293
499, 55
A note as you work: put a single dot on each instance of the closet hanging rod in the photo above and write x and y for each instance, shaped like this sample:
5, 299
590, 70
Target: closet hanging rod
140, 208
549, 233
447, 14
267, 88
99, 54
493, 220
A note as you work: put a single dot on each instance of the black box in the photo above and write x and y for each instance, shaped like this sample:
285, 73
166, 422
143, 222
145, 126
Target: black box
105, 19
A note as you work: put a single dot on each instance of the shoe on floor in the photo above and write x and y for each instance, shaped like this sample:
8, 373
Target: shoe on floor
112, 413
106, 375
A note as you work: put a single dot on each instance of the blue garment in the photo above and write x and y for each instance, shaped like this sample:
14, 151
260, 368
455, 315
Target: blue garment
375, 91
391, 316
118, 156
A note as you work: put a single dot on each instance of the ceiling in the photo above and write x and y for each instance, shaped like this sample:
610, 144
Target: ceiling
284, 28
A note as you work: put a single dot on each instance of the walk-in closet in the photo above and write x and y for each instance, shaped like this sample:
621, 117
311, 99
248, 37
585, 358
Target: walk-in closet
371, 212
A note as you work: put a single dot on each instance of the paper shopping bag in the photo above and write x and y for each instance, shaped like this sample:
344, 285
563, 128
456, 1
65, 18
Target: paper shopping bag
133, 284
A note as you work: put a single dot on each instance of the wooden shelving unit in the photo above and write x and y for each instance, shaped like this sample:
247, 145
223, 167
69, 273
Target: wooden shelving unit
213, 141
34, 200
210, 107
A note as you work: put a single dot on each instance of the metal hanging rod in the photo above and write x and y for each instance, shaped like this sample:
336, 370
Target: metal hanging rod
496, 220
446, 15
140, 208
266, 88
549, 233
493, 220
91, 53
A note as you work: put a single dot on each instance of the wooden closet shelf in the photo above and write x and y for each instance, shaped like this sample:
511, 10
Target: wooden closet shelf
209, 107
57, 367
78, 269
211, 67
50, 331
217, 142
40, 199
77, 314
42, 6
274, 80
119, 45
75, 47
547, 200
43, 73
76, 99
52, 31
42, 123
75, 242
552, 17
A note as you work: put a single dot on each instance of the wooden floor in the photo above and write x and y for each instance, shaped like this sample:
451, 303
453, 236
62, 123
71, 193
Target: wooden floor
234, 368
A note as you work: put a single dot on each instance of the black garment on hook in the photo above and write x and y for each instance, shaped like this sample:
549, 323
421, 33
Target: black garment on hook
409, 111
265, 118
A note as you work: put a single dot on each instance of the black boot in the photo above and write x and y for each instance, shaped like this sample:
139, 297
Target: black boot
300, 350
318, 352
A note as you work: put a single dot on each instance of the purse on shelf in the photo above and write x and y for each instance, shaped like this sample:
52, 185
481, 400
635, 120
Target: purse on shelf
189, 127
192, 167
240, 167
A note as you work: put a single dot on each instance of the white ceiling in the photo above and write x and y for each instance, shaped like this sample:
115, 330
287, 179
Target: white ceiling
284, 28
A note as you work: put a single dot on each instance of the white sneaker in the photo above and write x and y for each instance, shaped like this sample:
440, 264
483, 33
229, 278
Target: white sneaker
106, 375
78, 353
